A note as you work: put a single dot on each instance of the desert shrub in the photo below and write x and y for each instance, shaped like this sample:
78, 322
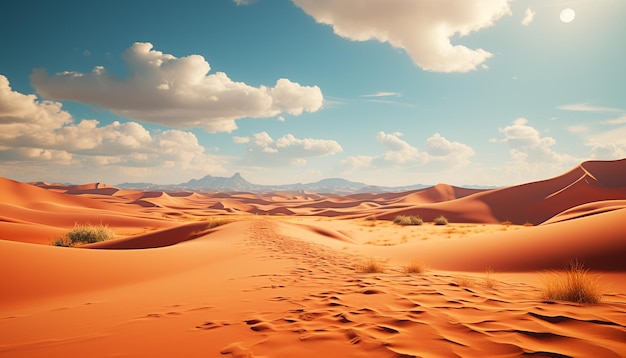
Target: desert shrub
440, 220
408, 220
415, 267
401, 220
88, 234
573, 284
62, 241
370, 266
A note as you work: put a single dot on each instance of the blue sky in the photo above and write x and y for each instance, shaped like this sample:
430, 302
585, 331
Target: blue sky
479, 92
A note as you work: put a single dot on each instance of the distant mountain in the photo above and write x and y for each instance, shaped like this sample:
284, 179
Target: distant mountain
238, 183
234, 183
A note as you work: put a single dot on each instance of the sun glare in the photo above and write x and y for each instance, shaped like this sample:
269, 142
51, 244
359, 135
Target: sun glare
568, 15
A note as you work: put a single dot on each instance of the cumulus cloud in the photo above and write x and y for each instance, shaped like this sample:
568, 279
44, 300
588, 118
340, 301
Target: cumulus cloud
177, 92
288, 150
439, 154
424, 29
529, 16
531, 152
40, 134
608, 144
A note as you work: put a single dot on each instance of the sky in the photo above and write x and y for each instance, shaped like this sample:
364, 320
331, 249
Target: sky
394, 92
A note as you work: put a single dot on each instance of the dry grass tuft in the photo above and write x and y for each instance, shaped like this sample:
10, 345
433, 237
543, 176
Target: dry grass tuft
573, 284
463, 281
84, 234
370, 266
408, 220
489, 281
440, 220
415, 267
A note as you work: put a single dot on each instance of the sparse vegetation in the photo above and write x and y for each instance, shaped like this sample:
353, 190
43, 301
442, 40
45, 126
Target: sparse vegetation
84, 234
62, 241
573, 284
489, 281
408, 220
463, 281
440, 220
370, 266
415, 267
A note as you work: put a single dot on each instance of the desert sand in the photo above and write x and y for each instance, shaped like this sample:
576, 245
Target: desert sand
277, 274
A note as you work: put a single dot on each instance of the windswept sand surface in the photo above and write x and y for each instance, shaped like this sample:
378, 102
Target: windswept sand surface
274, 275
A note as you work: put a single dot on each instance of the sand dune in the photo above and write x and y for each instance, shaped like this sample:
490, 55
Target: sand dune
246, 289
276, 275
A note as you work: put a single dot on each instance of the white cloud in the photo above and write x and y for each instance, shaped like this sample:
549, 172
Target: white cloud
619, 120
584, 107
177, 92
442, 150
578, 128
243, 2
39, 134
439, 154
357, 162
532, 154
288, 150
609, 144
610, 151
399, 151
423, 28
241, 140
529, 16
383, 94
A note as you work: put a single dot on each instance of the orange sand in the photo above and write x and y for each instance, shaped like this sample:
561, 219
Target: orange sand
277, 277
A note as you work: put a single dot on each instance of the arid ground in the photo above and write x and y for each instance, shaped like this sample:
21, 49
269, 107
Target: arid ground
284, 274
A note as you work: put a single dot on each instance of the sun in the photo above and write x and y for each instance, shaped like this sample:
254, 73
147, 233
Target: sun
568, 15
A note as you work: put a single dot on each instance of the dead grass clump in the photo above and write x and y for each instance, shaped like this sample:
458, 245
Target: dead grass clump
489, 281
370, 266
84, 234
415, 267
62, 241
573, 284
440, 220
463, 281
408, 220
